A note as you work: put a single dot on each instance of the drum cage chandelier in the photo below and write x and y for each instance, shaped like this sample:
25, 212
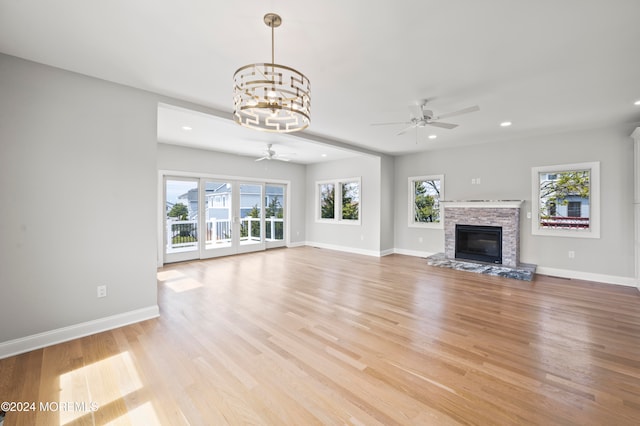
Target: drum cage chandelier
271, 97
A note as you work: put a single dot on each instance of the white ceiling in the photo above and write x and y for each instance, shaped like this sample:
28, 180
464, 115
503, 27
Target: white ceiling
547, 65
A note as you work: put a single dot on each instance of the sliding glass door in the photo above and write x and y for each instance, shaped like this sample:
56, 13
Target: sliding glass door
274, 202
181, 206
217, 217
251, 217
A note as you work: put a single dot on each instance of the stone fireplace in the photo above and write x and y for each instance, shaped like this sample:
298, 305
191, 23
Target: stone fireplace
504, 214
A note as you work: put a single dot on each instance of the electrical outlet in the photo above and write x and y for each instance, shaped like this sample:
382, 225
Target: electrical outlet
572, 254
477, 181
420, 239
102, 291
473, 181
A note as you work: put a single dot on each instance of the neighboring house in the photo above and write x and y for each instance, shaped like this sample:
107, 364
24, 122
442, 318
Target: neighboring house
218, 200
570, 211
190, 199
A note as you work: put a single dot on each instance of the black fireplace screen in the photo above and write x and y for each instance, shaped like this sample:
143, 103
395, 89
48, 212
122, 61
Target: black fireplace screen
483, 243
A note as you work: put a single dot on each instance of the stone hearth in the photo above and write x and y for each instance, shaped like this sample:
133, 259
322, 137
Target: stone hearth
523, 272
502, 213
505, 214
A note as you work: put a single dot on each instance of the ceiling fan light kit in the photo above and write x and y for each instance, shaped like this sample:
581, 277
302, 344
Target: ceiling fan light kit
271, 97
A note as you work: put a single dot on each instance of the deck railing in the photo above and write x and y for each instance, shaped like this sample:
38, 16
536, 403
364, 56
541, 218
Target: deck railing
182, 235
565, 222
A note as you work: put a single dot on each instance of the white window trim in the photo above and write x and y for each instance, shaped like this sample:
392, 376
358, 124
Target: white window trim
594, 201
411, 215
337, 185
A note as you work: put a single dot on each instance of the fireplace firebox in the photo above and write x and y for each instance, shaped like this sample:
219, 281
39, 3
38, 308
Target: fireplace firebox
482, 243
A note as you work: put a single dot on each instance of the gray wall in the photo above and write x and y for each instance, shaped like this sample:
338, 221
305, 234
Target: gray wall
387, 204
364, 238
183, 159
78, 184
505, 172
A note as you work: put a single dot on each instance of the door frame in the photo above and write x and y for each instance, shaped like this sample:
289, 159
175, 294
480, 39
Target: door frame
161, 214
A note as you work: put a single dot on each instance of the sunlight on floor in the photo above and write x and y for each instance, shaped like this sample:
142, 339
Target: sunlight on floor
104, 385
169, 275
185, 284
177, 281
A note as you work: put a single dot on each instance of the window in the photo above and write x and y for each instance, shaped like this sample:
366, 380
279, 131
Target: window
350, 200
573, 209
566, 200
345, 211
425, 193
327, 198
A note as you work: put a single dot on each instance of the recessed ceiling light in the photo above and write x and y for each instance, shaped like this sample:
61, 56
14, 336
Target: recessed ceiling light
323, 155
187, 128
433, 136
505, 124
637, 102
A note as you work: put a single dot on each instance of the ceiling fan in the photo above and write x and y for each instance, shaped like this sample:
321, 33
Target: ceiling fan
420, 117
270, 154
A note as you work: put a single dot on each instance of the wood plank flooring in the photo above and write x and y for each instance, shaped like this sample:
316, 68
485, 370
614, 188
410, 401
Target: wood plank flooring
307, 336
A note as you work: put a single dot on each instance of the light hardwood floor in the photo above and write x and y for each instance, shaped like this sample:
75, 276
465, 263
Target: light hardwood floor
308, 336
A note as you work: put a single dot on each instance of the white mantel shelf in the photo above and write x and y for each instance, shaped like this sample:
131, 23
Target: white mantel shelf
484, 204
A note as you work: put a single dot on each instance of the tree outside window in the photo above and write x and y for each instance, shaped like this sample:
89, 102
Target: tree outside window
347, 209
562, 197
425, 193
327, 201
350, 201
566, 200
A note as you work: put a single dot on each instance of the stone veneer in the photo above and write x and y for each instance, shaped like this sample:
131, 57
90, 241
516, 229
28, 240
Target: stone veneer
485, 213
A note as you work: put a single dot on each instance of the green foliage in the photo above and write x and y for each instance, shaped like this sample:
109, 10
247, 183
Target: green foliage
350, 201
426, 209
274, 209
327, 202
255, 225
179, 211
556, 192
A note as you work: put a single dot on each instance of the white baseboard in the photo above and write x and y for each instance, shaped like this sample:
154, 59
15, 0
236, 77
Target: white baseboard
415, 253
344, 248
48, 338
587, 276
387, 252
562, 273
297, 244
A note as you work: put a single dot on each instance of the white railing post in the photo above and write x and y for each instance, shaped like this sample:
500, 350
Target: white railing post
273, 228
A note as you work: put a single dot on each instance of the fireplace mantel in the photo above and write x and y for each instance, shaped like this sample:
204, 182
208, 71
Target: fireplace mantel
486, 204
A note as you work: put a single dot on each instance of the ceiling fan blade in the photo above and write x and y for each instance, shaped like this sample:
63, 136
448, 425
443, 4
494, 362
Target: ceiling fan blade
393, 122
262, 158
443, 125
281, 159
459, 112
405, 130
416, 111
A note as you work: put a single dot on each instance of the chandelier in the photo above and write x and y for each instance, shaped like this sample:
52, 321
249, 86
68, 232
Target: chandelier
271, 97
